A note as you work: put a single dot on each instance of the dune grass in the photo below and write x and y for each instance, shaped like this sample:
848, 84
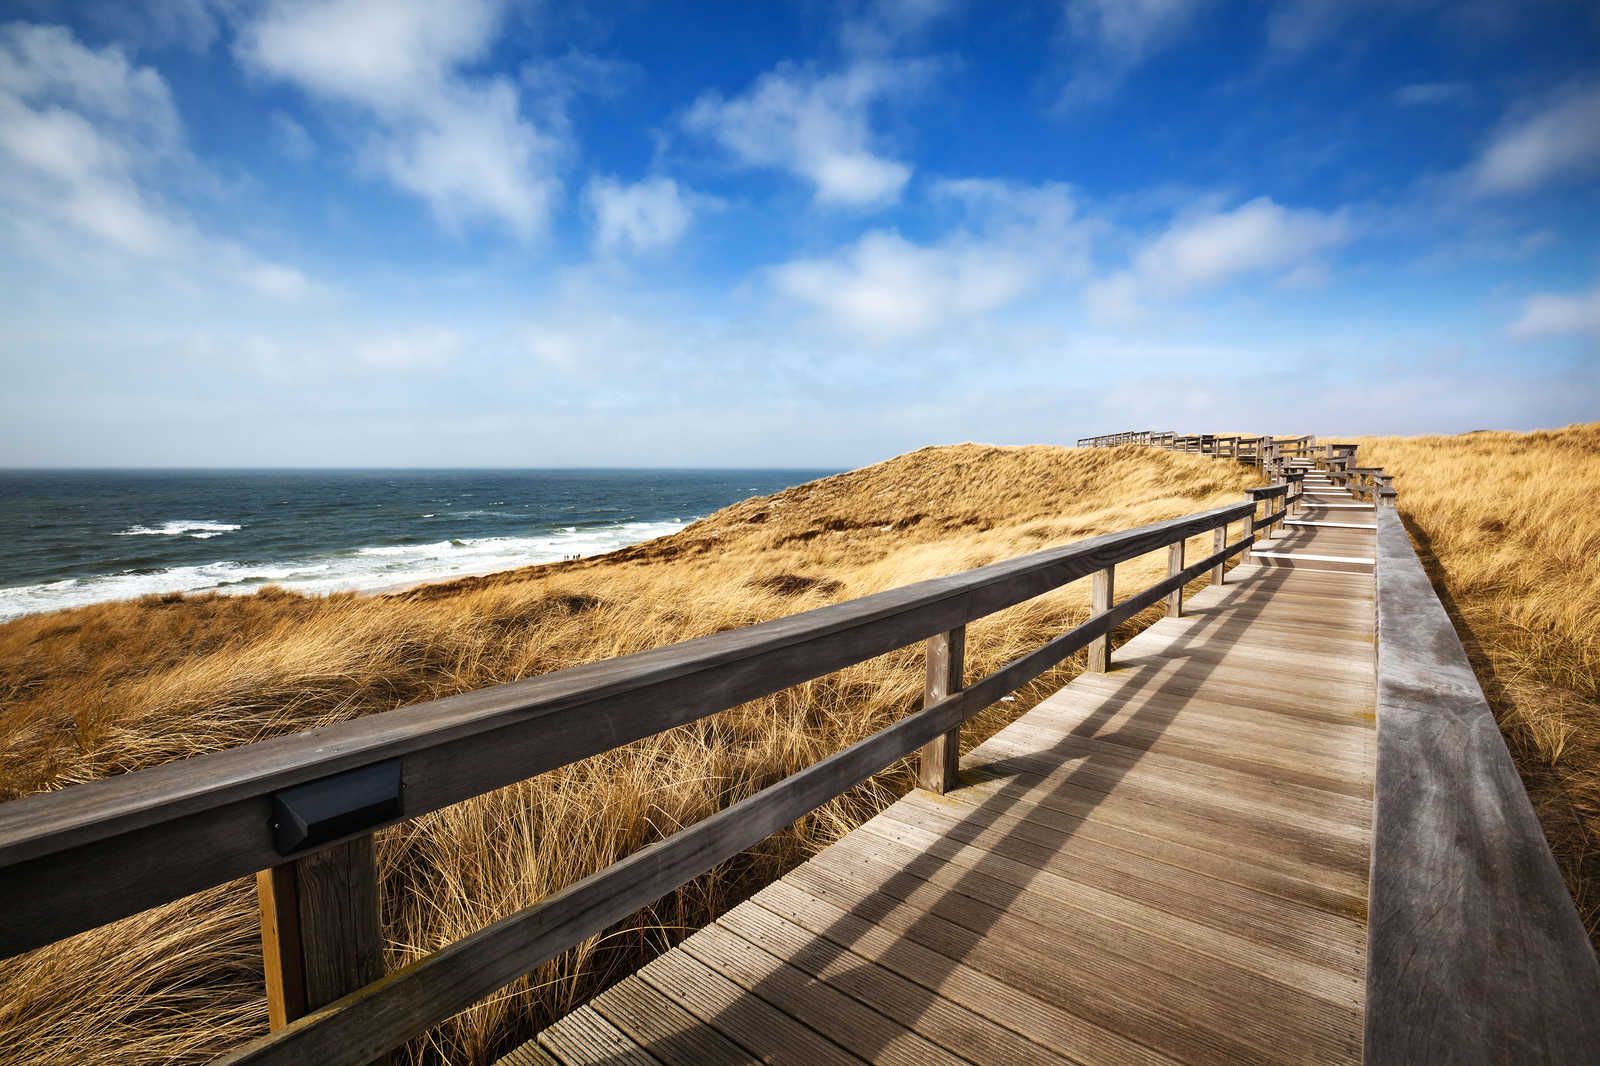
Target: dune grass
111, 688
1509, 528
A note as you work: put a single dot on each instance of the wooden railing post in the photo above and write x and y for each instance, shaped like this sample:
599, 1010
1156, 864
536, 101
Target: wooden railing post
1250, 527
939, 760
1219, 540
321, 928
1100, 602
1174, 566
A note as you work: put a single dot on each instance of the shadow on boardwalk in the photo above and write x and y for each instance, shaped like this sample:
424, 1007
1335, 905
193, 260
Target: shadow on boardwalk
890, 915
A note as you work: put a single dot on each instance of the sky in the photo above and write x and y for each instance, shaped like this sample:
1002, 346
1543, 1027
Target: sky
794, 234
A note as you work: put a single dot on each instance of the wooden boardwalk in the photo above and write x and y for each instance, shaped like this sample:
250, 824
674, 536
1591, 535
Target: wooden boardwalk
1166, 861
1162, 863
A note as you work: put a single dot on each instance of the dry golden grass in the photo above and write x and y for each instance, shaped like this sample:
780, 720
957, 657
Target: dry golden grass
106, 689
1510, 530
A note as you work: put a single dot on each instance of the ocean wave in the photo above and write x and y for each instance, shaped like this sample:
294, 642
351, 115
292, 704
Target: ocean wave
366, 569
198, 529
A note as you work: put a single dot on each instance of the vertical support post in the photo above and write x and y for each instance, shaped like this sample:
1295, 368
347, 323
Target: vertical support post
280, 945
1174, 566
1219, 540
1250, 528
939, 760
321, 928
1100, 602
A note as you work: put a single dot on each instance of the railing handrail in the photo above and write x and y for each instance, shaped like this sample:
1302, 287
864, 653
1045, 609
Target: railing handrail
90, 853
1475, 951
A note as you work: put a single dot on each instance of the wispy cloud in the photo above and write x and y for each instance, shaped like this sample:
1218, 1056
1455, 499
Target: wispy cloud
419, 348
1107, 40
1553, 141
460, 142
817, 127
1558, 314
640, 217
88, 140
1211, 247
885, 25
884, 287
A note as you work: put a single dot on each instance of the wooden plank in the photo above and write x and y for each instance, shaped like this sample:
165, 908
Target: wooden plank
341, 921
1287, 850
1476, 952
924, 1010
1100, 987
529, 1054
282, 962
939, 760
321, 929
750, 1021
671, 1033
584, 1038
1165, 778
1326, 767
1046, 825
848, 1022
165, 832
1280, 935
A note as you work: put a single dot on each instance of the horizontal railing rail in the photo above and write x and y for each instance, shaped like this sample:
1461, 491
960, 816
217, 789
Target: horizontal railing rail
89, 854
1475, 951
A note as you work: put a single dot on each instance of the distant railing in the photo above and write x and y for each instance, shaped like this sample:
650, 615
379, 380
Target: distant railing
1269, 454
299, 811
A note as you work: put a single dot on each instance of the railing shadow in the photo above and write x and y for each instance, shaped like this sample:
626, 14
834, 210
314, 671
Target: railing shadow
981, 898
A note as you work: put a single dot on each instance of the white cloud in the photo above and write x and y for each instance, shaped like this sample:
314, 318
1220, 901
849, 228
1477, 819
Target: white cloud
817, 127
884, 287
87, 140
1211, 247
1553, 314
424, 347
1114, 300
642, 217
275, 279
1109, 38
1558, 141
460, 143
1260, 235
77, 129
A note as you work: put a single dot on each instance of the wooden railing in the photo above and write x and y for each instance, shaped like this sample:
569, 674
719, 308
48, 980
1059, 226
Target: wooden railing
1270, 454
1475, 952
299, 811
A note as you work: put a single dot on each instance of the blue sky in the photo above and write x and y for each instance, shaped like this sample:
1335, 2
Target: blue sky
784, 234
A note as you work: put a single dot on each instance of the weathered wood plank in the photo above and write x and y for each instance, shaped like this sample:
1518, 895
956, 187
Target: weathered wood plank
926, 1011
848, 1022
670, 1032
1477, 954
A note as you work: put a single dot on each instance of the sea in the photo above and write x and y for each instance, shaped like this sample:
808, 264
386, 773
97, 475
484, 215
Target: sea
84, 536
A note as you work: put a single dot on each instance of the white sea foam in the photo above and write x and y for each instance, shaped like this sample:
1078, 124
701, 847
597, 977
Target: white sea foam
365, 569
198, 529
